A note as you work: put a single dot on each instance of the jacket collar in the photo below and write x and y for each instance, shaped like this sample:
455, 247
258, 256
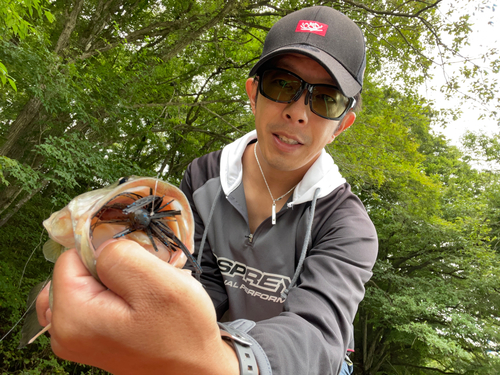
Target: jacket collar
323, 174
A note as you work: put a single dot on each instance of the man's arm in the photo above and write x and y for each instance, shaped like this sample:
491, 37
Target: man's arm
153, 319
312, 334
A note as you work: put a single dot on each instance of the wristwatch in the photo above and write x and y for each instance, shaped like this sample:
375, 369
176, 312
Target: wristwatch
248, 363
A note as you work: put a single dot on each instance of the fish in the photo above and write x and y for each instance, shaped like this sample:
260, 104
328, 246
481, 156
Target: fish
117, 211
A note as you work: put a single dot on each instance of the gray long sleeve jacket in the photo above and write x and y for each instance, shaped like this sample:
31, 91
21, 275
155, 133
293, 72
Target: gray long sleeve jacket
296, 329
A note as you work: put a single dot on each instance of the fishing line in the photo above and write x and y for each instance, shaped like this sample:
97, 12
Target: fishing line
21, 280
28, 308
154, 195
31, 255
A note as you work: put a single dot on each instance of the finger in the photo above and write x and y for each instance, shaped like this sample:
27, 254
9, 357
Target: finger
65, 351
70, 262
80, 306
132, 272
103, 245
70, 275
43, 306
73, 287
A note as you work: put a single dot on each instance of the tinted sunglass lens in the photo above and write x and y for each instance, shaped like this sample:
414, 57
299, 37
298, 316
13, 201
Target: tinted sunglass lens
280, 86
284, 87
328, 102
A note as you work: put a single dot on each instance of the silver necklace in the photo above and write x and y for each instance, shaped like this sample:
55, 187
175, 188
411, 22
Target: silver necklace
268, 189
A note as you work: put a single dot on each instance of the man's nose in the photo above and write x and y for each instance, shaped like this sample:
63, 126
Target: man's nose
298, 111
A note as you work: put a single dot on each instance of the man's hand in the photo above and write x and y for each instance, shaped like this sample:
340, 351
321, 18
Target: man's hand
154, 318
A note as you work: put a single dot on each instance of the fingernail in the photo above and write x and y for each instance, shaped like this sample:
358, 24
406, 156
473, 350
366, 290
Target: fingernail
103, 245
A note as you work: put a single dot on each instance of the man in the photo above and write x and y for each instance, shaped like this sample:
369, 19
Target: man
286, 247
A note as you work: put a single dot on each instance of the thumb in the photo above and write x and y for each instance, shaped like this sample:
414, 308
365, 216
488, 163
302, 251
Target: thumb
132, 272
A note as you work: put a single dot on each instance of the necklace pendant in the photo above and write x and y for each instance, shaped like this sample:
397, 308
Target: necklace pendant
274, 213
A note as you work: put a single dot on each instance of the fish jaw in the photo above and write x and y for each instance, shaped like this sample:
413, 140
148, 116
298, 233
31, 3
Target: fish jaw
60, 227
71, 227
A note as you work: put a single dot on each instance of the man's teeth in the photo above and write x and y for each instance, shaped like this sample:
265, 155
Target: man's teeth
288, 140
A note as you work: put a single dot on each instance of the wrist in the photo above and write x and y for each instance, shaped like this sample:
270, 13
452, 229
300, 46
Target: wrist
232, 364
216, 357
247, 363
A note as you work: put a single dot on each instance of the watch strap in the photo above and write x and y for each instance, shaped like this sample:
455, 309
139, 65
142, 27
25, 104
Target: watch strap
242, 347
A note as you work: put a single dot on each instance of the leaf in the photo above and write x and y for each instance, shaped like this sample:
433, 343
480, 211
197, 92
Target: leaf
12, 83
50, 16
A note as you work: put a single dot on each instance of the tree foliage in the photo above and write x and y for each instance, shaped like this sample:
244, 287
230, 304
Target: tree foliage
14, 15
117, 87
432, 305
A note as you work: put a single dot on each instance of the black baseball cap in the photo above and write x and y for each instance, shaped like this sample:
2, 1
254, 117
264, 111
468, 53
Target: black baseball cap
325, 35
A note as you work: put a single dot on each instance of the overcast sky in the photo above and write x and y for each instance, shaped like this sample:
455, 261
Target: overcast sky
485, 36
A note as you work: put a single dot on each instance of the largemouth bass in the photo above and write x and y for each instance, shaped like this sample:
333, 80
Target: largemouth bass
151, 212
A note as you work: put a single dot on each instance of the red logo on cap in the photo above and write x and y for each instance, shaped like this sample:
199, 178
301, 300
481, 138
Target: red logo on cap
311, 27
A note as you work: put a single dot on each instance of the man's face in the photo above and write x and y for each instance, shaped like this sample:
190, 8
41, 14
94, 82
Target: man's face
290, 136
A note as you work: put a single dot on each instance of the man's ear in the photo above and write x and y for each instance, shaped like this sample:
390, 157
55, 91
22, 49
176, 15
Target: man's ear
251, 86
347, 121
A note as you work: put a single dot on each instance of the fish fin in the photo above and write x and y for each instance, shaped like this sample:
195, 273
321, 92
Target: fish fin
31, 328
52, 250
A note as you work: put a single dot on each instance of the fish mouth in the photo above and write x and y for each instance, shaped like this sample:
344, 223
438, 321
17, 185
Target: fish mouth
94, 217
113, 220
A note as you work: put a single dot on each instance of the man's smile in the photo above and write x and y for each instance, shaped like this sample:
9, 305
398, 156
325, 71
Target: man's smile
287, 140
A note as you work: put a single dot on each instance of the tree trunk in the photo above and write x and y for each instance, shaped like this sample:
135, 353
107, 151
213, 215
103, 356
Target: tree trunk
21, 203
7, 196
18, 138
23, 124
69, 26
20, 128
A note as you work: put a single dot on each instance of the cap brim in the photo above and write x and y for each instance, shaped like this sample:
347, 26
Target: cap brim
348, 85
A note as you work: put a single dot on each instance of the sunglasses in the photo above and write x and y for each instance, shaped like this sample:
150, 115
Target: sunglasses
326, 101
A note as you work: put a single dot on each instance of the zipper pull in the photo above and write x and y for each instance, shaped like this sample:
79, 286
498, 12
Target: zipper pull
274, 213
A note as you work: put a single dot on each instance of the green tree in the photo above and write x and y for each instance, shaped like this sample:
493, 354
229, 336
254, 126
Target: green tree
432, 305
169, 71
14, 24
112, 88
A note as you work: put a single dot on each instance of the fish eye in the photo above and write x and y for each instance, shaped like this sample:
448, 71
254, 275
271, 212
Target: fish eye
122, 180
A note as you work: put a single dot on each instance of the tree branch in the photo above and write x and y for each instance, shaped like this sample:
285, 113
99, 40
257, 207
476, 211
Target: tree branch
426, 368
390, 13
223, 119
69, 26
177, 104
